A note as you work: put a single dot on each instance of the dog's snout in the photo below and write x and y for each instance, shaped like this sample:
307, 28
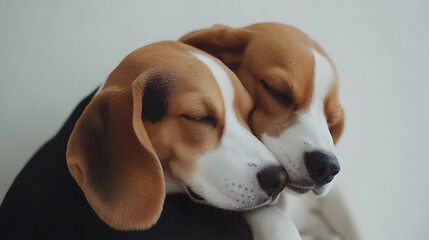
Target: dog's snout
272, 179
322, 166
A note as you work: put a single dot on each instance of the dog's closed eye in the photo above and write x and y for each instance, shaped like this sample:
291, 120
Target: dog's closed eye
208, 120
283, 98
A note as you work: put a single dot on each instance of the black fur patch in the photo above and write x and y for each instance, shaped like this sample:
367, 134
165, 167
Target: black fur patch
155, 97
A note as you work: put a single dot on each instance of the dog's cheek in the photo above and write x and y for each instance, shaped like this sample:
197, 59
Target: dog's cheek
258, 123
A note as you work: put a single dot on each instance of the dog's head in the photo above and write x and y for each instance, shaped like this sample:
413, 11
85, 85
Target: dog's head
294, 85
170, 110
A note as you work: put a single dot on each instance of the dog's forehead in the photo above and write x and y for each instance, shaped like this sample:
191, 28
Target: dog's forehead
292, 53
282, 45
178, 60
174, 60
285, 45
281, 37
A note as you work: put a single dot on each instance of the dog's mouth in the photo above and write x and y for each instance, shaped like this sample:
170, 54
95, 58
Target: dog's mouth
194, 195
299, 189
317, 190
198, 198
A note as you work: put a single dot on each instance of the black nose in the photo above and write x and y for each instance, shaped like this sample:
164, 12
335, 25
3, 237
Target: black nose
272, 179
322, 166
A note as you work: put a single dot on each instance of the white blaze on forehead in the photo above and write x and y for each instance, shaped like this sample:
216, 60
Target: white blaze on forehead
312, 123
222, 79
323, 78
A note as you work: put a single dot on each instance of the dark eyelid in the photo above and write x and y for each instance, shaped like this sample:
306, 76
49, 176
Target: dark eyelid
204, 119
283, 98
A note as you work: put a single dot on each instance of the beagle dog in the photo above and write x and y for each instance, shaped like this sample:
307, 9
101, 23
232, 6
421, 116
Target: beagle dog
294, 85
170, 118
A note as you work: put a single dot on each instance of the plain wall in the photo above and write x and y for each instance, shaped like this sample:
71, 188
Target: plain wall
53, 53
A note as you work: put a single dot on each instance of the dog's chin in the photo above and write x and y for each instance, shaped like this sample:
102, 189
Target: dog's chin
199, 199
322, 190
297, 190
319, 191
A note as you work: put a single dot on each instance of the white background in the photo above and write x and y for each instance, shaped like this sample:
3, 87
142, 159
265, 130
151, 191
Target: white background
53, 53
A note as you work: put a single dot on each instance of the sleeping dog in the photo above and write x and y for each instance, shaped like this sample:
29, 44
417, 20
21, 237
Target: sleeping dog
297, 114
170, 115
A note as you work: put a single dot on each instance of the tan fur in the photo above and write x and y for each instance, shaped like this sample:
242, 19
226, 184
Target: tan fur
117, 159
281, 56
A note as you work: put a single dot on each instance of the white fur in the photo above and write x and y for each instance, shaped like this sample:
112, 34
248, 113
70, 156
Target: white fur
312, 223
227, 176
272, 223
311, 130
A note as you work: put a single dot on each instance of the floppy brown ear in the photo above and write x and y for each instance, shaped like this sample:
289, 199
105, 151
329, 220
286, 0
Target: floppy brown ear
223, 42
112, 159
